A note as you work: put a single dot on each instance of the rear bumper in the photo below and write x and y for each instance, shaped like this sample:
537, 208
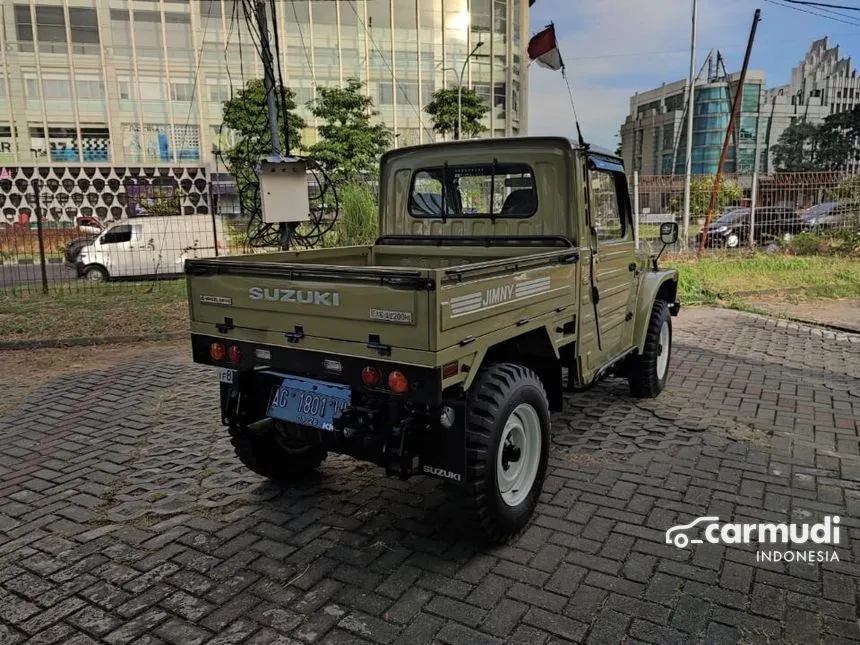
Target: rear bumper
425, 382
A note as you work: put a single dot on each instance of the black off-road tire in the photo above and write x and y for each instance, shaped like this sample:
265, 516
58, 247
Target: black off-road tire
260, 451
642, 373
497, 392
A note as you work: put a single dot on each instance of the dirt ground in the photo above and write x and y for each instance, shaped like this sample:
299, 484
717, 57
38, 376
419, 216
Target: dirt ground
844, 312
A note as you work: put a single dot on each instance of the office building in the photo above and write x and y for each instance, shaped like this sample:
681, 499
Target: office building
653, 136
101, 89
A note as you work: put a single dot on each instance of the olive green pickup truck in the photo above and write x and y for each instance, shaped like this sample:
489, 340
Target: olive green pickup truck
502, 266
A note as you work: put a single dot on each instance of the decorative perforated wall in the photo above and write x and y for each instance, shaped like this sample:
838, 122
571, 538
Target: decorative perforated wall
109, 194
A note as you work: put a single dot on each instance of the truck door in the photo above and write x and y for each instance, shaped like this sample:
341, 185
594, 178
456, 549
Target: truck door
614, 274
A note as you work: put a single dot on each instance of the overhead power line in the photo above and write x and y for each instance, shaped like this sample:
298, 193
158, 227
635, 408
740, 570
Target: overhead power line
847, 21
823, 4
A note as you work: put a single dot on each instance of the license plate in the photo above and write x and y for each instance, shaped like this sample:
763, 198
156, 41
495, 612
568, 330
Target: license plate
308, 402
225, 375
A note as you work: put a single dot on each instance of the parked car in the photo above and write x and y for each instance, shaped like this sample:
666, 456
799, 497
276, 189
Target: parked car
88, 228
772, 225
150, 246
837, 215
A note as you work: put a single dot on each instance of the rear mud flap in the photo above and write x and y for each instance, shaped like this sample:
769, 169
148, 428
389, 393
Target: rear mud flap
443, 450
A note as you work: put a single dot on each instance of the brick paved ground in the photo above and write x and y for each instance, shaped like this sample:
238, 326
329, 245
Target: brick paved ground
126, 519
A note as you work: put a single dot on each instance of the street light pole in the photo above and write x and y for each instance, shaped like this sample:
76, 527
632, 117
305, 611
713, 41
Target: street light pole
460, 89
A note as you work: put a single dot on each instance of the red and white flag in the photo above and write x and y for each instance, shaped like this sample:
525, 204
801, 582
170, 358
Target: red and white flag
543, 49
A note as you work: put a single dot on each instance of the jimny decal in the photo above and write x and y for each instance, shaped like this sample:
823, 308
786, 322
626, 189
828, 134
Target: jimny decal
778, 542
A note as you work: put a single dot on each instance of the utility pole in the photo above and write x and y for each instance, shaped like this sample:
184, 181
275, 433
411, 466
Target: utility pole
735, 108
268, 76
688, 162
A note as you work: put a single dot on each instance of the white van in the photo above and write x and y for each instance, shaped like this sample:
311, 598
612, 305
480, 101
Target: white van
151, 246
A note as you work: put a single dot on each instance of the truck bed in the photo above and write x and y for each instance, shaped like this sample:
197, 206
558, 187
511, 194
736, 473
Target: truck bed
406, 300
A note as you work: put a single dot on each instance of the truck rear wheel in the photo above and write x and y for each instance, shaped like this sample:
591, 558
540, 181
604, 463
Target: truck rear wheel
277, 453
649, 371
507, 447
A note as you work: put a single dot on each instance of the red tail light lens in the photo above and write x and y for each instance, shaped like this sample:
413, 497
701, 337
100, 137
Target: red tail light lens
371, 376
217, 352
235, 354
397, 382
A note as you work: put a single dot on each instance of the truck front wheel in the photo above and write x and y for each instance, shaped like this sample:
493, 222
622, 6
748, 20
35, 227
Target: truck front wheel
507, 447
277, 452
649, 371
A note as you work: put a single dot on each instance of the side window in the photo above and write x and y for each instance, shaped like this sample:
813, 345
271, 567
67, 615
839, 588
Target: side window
605, 211
117, 235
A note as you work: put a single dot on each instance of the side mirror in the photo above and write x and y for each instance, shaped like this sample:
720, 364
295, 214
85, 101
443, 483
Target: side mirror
668, 235
669, 232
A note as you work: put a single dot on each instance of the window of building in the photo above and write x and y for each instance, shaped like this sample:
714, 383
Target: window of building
56, 88
89, 88
748, 128
653, 105
51, 28
96, 142
405, 15
210, 8
668, 135
177, 28
378, 14
605, 212
219, 92
407, 93
674, 103
499, 98
325, 13
182, 91
147, 33
84, 28
750, 98
480, 190
24, 27
500, 19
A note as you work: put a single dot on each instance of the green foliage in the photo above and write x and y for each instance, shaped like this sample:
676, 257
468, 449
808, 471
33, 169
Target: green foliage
350, 143
700, 195
443, 112
805, 146
247, 115
837, 242
358, 220
846, 190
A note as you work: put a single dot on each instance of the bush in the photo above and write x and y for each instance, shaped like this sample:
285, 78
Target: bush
829, 243
357, 221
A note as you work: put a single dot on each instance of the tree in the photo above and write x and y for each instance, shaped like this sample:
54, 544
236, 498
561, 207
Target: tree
805, 146
443, 112
797, 148
700, 195
350, 143
247, 115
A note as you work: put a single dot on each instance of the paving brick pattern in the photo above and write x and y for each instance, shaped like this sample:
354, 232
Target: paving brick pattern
125, 518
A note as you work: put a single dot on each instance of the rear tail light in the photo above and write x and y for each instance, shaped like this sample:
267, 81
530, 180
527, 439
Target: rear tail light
397, 382
235, 354
217, 352
450, 369
371, 376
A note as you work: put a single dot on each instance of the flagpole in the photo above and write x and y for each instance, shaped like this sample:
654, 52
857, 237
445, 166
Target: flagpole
688, 162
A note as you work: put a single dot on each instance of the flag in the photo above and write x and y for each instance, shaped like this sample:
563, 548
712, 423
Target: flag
543, 49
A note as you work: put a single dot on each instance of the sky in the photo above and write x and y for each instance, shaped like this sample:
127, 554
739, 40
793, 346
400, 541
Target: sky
613, 48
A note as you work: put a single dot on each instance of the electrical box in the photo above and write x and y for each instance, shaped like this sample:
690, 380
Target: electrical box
284, 190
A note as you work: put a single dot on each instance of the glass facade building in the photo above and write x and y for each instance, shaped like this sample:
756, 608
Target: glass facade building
125, 82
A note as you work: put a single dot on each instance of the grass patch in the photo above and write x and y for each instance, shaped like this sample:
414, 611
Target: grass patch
114, 309
727, 279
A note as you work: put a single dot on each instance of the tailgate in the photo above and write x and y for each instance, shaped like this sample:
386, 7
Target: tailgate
313, 302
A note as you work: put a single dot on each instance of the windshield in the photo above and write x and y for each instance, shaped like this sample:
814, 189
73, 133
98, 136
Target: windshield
733, 217
817, 211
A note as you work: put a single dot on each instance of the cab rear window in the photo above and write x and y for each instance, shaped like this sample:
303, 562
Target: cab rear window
504, 190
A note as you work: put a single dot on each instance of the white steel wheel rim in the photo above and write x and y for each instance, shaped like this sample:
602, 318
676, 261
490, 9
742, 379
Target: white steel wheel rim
663, 350
518, 456
732, 241
94, 275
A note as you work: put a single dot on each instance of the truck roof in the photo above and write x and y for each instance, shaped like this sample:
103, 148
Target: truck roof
555, 141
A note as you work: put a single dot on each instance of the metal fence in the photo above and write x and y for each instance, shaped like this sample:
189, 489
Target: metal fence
43, 253
752, 211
